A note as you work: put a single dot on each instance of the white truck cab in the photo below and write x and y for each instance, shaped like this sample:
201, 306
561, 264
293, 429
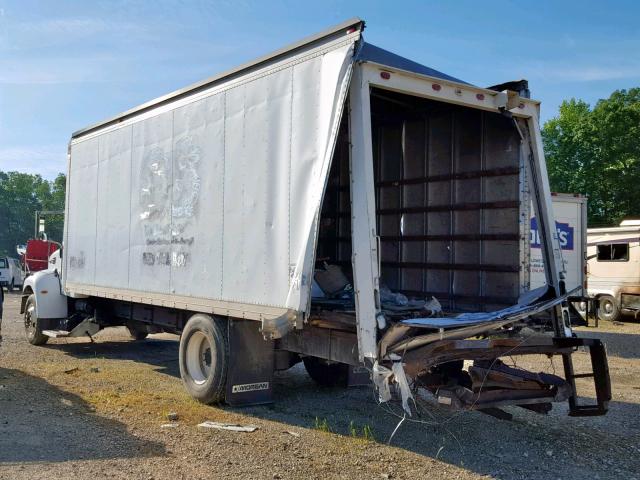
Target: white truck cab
42, 295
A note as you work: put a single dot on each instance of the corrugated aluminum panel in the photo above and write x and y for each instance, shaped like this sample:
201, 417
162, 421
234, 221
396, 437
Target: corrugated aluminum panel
112, 263
80, 220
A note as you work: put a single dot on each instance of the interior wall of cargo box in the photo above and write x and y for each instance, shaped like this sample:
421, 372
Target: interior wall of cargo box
448, 191
334, 240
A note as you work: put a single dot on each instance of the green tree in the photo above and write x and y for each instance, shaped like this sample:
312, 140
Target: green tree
597, 152
21, 195
54, 201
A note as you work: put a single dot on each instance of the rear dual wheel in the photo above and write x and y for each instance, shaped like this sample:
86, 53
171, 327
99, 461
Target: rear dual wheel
137, 334
325, 373
204, 358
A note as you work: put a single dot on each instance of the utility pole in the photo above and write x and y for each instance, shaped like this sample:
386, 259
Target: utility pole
44, 213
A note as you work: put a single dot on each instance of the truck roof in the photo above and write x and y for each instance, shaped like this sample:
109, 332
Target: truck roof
366, 53
613, 230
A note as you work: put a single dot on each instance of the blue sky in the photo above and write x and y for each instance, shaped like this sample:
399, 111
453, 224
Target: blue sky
67, 64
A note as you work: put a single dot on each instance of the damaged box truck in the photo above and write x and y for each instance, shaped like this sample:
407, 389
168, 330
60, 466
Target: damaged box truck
332, 203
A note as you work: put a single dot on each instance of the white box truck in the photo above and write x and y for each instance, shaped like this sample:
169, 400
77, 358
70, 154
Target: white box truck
212, 211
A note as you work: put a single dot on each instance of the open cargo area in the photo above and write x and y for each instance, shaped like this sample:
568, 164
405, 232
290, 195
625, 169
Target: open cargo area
449, 199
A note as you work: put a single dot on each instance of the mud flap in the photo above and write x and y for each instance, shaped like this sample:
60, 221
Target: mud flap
251, 366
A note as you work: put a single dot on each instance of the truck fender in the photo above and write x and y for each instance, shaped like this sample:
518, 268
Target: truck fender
612, 292
50, 301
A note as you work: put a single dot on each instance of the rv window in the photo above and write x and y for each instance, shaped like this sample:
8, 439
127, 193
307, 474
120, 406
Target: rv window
3, 263
614, 252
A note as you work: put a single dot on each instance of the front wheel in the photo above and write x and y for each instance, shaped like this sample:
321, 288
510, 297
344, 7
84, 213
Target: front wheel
609, 309
32, 325
204, 358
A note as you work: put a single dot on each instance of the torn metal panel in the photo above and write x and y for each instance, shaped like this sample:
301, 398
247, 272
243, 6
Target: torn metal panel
400, 379
462, 398
467, 324
366, 253
384, 377
542, 203
435, 353
490, 384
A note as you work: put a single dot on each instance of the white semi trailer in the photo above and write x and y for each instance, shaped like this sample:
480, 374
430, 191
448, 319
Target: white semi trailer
209, 211
570, 213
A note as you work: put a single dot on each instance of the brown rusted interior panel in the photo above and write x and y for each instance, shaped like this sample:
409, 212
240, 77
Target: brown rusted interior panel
334, 244
447, 202
448, 198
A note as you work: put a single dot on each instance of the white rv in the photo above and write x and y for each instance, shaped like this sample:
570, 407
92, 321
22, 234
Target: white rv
614, 268
209, 212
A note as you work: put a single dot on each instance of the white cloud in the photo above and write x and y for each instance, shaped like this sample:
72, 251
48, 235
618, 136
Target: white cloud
46, 160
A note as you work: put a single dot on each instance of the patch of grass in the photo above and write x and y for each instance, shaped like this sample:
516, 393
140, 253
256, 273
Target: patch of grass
365, 434
322, 425
129, 389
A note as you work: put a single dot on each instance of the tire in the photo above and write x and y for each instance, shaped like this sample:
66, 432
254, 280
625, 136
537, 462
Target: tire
12, 286
137, 334
609, 309
204, 358
32, 325
327, 374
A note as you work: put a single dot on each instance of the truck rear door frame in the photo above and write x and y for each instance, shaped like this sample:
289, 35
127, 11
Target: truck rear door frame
366, 262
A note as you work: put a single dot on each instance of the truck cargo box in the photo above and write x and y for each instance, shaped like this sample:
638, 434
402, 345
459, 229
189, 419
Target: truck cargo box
221, 211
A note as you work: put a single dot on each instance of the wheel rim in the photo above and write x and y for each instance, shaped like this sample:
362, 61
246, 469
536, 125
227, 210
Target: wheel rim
30, 321
607, 307
199, 357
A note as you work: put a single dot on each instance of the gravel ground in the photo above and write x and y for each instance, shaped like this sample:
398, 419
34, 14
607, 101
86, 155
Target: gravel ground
75, 409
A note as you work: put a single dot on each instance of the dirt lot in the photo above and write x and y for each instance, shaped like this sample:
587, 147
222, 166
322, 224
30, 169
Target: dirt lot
75, 409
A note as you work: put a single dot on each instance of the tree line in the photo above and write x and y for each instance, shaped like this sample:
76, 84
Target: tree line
21, 195
596, 151
592, 151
